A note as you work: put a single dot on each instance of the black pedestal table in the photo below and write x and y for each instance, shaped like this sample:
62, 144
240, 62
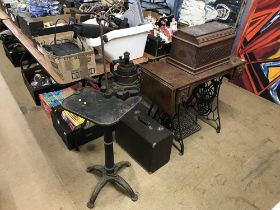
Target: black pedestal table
93, 106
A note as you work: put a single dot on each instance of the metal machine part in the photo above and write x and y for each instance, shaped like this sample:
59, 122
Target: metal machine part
125, 82
126, 73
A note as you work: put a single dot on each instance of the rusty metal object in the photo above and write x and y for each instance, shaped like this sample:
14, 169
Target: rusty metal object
199, 48
126, 73
168, 86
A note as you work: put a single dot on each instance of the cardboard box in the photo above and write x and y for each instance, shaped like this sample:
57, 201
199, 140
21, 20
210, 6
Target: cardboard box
51, 100
147, 13
73, 67
106, 2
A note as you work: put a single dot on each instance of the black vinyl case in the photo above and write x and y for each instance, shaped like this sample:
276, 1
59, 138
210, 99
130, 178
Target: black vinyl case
145, 140
156, 47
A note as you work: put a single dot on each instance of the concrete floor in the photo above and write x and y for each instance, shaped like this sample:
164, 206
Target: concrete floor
236, 169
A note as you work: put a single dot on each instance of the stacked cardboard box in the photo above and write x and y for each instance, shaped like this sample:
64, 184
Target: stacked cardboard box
54, 99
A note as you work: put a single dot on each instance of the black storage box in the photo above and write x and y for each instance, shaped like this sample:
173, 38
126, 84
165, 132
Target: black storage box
145, 140
35, 26
2, 26
156, 47
13, 50
79, 18
73, 139
28, 75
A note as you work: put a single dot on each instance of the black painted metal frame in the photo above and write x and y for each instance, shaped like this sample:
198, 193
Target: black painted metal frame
109, 171
203, 102
182, 124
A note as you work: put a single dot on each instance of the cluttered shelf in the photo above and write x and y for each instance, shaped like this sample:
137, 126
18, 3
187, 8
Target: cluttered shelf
29, 45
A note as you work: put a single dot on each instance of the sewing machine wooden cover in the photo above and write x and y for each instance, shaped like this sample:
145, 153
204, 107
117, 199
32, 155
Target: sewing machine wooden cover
200, 48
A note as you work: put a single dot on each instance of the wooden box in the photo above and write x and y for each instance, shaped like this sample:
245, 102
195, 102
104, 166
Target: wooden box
200, 48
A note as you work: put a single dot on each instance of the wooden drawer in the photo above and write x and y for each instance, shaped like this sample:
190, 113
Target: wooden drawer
158, 91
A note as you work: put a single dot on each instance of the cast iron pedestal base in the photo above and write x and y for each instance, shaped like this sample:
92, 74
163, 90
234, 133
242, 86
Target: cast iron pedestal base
112, 178
109, 171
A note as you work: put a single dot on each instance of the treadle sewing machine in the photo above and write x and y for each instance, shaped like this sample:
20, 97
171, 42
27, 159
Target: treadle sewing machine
191, 77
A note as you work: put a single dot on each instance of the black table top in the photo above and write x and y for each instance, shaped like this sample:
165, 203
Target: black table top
91, 105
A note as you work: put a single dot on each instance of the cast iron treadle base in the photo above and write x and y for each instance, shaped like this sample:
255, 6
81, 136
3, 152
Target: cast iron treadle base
112, 178
188, 125
182, 125
205, 102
